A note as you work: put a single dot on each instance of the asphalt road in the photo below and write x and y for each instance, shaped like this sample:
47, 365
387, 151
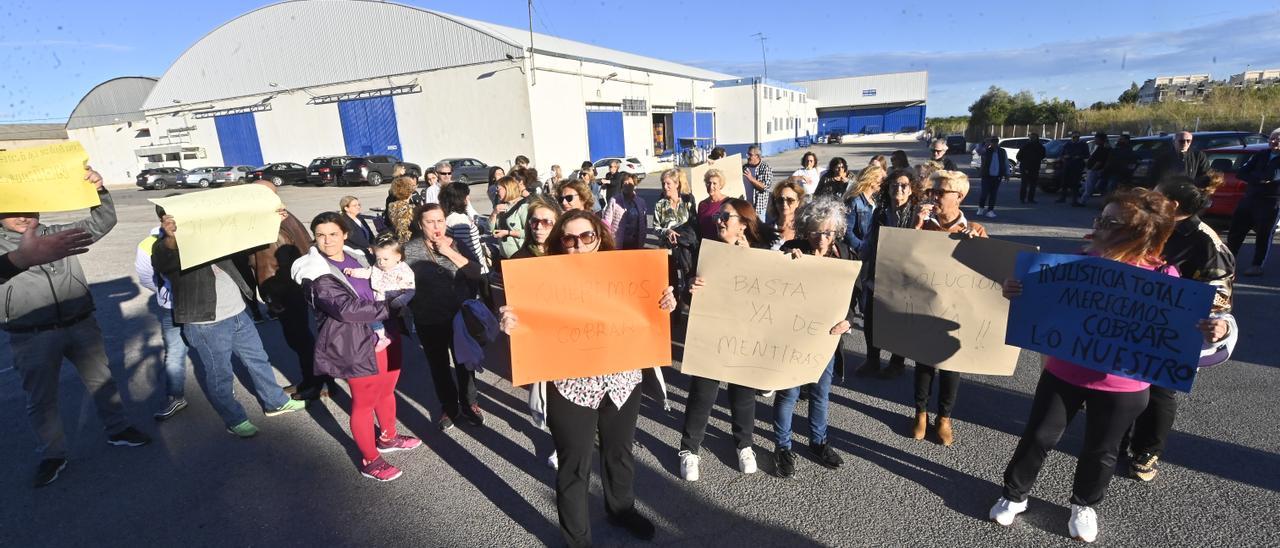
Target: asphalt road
296, 483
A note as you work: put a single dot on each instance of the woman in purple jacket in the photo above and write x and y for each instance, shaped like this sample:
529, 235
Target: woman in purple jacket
344, 307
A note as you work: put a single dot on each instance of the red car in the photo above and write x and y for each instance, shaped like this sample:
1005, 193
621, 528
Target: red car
1228, 160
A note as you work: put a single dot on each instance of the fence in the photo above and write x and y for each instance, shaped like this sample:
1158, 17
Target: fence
1089, 122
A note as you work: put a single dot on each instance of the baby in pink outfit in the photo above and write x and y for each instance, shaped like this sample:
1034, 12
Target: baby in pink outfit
392, 279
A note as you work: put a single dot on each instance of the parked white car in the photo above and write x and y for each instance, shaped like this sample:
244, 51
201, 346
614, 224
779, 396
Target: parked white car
630, 165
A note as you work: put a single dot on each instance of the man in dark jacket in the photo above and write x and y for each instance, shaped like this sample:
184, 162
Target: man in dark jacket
1074, 154
1029, 158
209, 303
938, 153
995, 169
1260, 207
1095, 178
285, 299
48, 313
1180, 160
1120, 163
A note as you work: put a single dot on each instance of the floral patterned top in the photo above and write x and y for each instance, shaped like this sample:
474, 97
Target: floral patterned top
401, 214
589, 392
667, 215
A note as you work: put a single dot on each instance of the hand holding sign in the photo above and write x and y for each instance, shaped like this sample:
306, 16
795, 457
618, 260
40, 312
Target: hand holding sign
1111, 317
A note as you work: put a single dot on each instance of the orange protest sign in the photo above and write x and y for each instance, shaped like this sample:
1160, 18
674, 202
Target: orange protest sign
585, 315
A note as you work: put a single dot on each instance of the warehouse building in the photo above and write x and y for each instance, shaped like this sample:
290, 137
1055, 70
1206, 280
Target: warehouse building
421, 86
880, 103
13, 136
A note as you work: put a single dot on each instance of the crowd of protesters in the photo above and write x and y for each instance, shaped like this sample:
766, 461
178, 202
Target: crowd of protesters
426, 269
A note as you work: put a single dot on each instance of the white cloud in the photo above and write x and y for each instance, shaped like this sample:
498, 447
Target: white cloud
1081, 70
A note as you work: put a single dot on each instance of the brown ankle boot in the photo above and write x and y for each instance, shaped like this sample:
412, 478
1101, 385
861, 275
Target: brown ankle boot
921, 424
945, 435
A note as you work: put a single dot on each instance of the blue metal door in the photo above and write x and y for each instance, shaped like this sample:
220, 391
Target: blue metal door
707, 127
904, 119
369, 127
238, 139
604, 134
833, 123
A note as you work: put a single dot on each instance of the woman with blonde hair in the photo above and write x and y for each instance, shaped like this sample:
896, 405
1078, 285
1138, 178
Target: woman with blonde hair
509, 217
709, 207
861, 202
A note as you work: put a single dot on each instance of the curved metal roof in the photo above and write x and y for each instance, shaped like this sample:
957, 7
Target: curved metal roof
306, 43
111, 102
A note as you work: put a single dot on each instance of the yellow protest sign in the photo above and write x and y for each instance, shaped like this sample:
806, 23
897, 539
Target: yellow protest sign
938, 300
730, 166
763, 319
44, 179
216, 223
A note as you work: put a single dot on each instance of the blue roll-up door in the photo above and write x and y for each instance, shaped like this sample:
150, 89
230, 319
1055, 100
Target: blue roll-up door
904, 119
707, 127
866, 122
238, 139
604, 134
827, 124
369, 127
682, 128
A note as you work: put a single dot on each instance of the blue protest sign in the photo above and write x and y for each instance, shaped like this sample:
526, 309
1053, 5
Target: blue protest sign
1110, 316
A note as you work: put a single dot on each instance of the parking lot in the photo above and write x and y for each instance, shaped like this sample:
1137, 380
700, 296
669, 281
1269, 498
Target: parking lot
296, 484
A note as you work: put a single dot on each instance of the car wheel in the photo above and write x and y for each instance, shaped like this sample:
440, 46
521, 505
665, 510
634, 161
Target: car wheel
159, 184
204, 183
277, 181
240, 181
375, 178
463, 179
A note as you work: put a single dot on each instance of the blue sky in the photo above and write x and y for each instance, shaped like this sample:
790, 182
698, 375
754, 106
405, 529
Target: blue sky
52, 52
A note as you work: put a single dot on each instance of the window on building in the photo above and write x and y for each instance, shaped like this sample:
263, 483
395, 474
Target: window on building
768, 127
635, 107
189, 156
142, 133
171, 157
869, 92
155, 158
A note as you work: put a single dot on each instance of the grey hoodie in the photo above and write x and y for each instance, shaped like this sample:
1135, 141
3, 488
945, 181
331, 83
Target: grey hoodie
55, 292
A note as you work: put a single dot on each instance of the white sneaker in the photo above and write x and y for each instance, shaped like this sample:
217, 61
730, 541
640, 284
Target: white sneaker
689, 466
553, 461
1083, 524
747, 460
767, 393
982, 211
1005, 510
991, 213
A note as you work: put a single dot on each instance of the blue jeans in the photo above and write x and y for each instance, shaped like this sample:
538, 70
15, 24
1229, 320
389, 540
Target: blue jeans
785, 405
215, 343
1095, 181
175, 354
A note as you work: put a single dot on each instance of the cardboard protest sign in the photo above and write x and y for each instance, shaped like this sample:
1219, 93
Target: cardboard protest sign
731, 166
45, 179
1111, 317
938, 300
216, 223
587, 314
763, 319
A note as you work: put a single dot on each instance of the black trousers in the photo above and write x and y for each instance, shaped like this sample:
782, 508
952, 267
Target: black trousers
1071, 183
295, 324
1151, 429
573, 429
1056, 403
948, 389
456, 388
1258, 215
702, 396
1030, 180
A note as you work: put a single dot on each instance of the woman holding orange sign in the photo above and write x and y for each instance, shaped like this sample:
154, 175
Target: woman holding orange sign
579, 408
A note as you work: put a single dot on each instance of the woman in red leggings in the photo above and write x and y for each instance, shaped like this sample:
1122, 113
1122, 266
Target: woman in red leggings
344, 307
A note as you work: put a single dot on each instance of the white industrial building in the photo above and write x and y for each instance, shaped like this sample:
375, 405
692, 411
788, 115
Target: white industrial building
384, 78
879, 103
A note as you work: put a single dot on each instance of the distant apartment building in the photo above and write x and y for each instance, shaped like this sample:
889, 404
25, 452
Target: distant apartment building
1255, 78
1188, 87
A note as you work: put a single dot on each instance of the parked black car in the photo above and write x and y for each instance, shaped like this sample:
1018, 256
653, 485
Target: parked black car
1051, 167
956, 144
1145, 148
327, 170
468, 170
159, 178
281, 173
375, 170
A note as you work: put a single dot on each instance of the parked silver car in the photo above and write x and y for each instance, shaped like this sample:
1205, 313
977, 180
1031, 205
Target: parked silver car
232, 175
158, 178
201, 177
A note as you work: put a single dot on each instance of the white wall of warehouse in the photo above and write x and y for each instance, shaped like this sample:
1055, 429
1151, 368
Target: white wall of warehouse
110, 148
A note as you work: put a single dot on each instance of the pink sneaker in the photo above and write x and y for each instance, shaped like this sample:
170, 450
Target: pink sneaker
382, 344
398, 443
380, 470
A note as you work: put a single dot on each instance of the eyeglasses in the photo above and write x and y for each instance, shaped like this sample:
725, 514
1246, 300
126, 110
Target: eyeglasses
788, 200
575, 240
938, 192
568, 198
939, 150
900, 188
825, 234
1106, 223
536, 222
444, 173
724, 216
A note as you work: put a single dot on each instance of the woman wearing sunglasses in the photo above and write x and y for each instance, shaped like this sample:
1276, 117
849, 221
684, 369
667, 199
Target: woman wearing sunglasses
575, 194
1133, 229
897, 207
542, 215
835, 180
736, 225
784, 200
580, 408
